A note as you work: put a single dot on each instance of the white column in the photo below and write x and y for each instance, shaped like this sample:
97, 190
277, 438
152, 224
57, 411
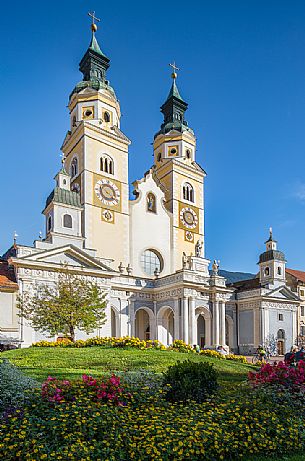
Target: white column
216, 323
192, 322
176, 319
132, 318
222, 323
154, 334
185, 309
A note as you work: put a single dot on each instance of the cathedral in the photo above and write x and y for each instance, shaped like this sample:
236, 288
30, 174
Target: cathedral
146, 253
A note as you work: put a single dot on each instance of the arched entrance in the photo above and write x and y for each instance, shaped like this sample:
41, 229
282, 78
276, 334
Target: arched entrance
165, 326
113, 322
229, 332
281, 342
203, 335
143, 324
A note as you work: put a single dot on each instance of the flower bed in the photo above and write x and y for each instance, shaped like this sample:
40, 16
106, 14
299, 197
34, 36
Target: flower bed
279, 374
152, 431
108, 390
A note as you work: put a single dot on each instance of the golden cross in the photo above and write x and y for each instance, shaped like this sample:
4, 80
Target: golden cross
92, 15
174, 66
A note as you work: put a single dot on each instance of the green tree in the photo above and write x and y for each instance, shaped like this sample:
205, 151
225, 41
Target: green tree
69, 304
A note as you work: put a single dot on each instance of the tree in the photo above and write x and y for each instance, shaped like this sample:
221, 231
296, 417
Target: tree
69, 304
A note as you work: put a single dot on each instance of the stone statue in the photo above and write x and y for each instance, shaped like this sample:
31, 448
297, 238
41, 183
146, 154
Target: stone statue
198, 249
215, 267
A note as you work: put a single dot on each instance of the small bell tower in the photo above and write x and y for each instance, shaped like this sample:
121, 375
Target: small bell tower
272, 263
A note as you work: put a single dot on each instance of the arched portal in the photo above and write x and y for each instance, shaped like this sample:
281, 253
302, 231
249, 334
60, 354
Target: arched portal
281, 342
201, 336
165, 326
142, 324
229, 332
203, 332
113, 323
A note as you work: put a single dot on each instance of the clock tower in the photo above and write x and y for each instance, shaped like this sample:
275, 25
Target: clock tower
96, 157
180, 177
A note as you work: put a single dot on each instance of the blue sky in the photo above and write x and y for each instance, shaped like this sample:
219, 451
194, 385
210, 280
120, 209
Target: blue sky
242, 72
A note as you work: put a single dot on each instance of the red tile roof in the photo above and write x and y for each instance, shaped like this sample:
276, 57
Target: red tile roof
297, 274
7, 277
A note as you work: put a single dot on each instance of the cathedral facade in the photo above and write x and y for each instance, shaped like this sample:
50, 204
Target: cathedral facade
146, 253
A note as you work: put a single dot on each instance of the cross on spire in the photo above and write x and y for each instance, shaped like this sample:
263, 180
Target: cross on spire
94, 18
175, 68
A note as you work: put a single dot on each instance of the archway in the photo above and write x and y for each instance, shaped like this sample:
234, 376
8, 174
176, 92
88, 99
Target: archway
229, 332
143, 325
203, 334
281, 342
165, 326
113, 323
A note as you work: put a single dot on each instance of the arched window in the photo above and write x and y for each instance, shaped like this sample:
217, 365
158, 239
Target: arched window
151, 261
74, 167
151, 203
67, 221
188, 192
74, 120
106, 164
279, 271
267, 271
107, 117
49, 226
281, 334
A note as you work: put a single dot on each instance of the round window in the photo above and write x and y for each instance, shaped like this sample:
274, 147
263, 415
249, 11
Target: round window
88, 113
150, 261
173, 151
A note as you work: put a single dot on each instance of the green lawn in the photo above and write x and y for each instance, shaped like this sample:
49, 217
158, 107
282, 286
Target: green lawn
72, 363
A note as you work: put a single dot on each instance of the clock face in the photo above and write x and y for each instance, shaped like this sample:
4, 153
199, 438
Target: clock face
107, 192
188, 218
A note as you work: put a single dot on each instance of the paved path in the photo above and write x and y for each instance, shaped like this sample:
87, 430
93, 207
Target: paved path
277, 358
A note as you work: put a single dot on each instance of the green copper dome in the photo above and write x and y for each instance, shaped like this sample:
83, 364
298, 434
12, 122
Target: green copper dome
173, 110
93, 66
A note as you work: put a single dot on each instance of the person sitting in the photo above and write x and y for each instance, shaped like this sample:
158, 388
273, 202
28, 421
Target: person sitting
290, 357
300, 355
261, 353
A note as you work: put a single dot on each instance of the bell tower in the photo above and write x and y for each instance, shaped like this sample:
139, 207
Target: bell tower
96, 157
272, 264
180, 176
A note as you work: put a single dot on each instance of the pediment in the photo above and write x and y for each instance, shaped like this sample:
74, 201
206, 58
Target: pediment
68, 255
283, 292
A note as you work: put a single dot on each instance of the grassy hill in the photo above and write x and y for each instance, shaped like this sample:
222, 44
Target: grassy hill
72, 363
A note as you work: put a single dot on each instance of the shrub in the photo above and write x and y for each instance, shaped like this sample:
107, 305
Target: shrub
190, 381
14, 386
279, 374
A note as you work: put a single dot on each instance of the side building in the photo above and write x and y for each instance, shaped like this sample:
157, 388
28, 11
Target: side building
265, 306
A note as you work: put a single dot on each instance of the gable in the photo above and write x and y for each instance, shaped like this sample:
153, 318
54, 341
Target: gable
68, 255
283, 293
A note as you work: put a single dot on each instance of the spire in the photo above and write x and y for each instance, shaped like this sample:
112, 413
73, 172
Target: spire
174, 108
94, 64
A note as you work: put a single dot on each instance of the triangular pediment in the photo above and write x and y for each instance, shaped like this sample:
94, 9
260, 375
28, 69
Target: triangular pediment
68, 255
283, 292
